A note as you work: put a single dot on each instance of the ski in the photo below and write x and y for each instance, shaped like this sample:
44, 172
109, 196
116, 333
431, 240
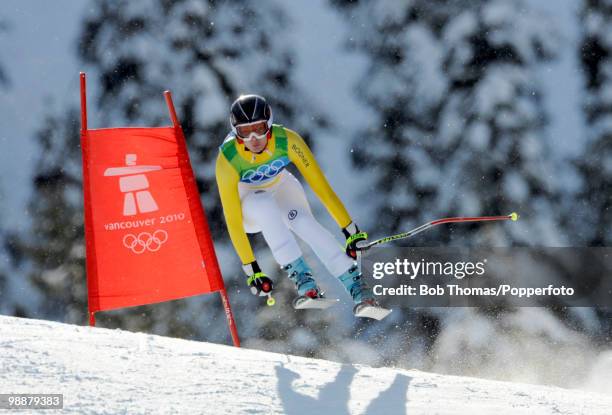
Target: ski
371, 311
303, 302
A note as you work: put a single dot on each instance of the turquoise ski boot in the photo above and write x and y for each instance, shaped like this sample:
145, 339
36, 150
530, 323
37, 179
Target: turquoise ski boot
365, 303
300, 273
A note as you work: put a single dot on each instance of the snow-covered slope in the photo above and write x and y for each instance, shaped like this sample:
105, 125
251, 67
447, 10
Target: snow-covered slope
113, 371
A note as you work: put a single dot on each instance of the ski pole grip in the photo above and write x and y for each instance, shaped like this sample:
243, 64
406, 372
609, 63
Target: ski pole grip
363, 245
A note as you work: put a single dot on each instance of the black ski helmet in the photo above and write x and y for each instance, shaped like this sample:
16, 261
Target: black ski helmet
248, 109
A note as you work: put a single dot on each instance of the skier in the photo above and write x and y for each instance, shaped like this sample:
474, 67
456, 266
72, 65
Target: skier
259, 195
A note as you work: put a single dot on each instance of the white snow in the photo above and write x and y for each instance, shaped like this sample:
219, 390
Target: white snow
114, 371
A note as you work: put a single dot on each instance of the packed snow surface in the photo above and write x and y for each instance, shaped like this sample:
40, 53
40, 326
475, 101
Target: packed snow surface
114, 371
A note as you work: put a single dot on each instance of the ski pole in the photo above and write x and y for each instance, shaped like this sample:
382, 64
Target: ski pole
267, 291
364, 245
270, 301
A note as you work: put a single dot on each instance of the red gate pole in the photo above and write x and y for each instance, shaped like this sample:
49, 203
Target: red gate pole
170, 103
83, 103
88, 240
226, 304
230, 317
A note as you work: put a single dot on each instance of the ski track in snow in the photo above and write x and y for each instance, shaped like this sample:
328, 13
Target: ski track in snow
118, 372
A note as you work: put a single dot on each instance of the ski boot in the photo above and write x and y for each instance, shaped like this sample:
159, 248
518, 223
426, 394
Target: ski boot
365, 303
309, 295
300, 273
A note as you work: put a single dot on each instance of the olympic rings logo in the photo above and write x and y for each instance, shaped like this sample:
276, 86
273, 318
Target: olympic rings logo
263, 172
145, 241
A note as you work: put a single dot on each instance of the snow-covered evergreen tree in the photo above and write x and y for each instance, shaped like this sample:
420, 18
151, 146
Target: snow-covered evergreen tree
405, 87
458, 127
13, 293
52, 255
595, 163
491, 128
3, 74
4, 79
459, 116
4, 258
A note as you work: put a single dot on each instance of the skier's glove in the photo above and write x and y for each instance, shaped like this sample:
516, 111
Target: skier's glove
353, 235
258, 281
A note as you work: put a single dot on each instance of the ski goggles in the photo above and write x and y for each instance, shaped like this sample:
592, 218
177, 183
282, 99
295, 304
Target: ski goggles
255, 130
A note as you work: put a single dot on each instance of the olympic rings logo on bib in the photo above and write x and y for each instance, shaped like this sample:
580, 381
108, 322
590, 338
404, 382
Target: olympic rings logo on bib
263, 172
145, 241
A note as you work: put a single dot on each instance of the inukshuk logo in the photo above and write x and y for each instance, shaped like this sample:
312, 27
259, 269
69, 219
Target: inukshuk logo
134, 185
